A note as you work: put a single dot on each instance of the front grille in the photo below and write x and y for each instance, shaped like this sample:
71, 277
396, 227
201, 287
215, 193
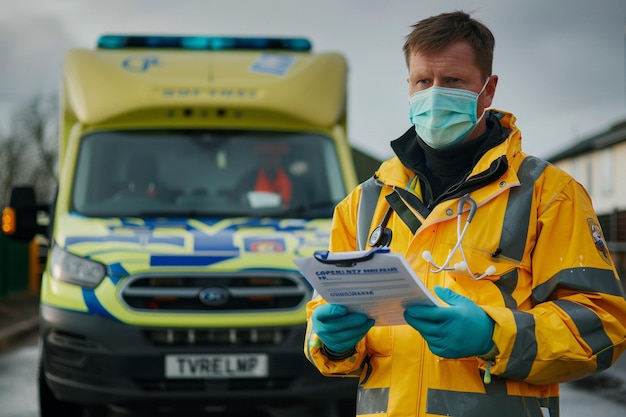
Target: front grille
241, 292
217, 337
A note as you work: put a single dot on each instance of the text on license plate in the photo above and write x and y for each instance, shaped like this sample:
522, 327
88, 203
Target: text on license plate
216, 366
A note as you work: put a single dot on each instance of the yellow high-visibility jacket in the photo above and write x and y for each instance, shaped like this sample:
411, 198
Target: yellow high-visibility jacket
555, 296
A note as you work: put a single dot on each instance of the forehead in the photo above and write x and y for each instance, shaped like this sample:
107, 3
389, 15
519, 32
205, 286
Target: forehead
456, 58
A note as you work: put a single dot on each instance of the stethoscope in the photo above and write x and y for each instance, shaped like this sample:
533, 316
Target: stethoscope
381, 236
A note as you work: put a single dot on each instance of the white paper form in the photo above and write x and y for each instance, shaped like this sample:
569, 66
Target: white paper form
376, 282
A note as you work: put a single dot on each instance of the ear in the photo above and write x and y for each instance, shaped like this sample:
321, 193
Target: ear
490, 90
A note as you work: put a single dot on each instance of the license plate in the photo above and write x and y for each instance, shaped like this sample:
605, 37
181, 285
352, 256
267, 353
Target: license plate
216, 366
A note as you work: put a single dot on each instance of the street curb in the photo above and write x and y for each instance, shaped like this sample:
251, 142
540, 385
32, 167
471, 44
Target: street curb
17, 329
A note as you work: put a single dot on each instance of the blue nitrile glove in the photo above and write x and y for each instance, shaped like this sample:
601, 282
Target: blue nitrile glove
338, 329
461, 330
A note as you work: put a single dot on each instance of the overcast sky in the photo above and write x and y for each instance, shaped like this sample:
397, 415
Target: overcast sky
561, 63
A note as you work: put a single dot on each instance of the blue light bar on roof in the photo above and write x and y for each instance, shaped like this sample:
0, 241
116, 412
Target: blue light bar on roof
207, 43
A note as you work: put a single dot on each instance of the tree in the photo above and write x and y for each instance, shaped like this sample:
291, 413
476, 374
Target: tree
30, 147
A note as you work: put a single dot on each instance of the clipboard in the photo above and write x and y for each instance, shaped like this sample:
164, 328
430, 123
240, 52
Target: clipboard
377, 282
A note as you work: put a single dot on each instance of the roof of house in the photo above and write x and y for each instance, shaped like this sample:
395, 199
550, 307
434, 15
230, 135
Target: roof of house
615, 134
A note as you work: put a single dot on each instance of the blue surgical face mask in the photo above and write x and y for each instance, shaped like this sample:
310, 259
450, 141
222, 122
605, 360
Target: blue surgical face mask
444, 117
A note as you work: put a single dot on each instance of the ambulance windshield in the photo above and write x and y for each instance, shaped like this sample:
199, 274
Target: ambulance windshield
200, 173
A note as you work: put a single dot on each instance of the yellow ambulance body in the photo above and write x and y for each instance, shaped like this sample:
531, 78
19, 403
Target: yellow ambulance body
170, 280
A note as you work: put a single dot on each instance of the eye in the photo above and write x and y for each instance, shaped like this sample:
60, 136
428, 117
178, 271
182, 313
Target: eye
452, 81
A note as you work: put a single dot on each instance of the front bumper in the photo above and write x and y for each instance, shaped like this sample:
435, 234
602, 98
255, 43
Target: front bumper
97, 361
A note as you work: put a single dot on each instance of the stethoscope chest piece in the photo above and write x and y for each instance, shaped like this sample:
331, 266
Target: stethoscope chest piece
381, 236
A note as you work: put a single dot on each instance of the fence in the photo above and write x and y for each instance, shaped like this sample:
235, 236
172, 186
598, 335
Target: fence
20, 265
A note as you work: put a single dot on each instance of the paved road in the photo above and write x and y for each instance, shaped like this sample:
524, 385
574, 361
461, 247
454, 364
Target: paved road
603, 396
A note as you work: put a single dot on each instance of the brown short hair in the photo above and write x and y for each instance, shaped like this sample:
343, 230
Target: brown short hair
435, 33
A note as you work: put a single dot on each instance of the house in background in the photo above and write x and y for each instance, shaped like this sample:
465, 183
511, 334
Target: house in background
599, 164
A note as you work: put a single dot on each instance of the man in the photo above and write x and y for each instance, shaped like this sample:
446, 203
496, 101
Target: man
271, 177
530, 297
267, 176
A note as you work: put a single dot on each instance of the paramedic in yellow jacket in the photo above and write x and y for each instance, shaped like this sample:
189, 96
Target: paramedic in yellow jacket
531, 297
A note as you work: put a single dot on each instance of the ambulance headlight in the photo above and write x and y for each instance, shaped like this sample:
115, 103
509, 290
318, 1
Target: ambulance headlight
73, 269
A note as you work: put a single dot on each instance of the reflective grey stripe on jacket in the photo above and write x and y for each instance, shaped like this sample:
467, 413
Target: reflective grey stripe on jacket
370, 190
494, 402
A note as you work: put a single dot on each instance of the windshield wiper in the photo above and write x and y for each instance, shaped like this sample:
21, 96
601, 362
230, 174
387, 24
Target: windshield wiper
302, 209
295, 211
184, 214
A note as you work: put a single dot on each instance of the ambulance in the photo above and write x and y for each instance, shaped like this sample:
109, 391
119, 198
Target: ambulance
192, 171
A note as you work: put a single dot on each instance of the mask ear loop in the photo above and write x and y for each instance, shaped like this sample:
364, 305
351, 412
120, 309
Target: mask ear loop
479, 118
484, 86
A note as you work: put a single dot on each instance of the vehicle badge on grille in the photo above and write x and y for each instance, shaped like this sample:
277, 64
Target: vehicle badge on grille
214, 296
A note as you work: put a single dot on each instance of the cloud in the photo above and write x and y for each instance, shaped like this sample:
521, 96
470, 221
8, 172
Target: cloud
31, 59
